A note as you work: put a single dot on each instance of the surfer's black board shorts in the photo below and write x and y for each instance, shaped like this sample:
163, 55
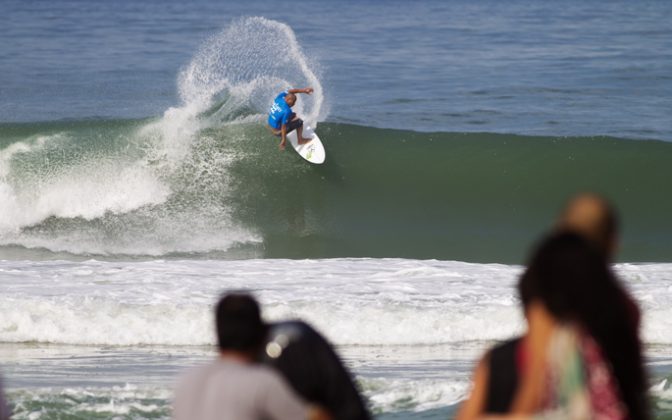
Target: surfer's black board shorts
293, 124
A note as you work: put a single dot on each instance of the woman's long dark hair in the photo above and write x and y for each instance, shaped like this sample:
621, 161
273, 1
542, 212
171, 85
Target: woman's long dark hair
311, 366
574, 282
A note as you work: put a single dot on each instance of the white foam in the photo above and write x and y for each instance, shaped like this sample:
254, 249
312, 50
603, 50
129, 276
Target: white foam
127, 401
354, 302
87, 188
13, 213
393, 395
649, 284
89, 194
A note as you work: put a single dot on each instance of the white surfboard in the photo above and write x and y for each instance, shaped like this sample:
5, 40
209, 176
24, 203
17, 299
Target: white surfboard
313, 151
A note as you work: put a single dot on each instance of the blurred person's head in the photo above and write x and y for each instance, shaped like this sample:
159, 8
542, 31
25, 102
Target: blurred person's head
592, 216
567, 273
311, 366
571, 278
239, 324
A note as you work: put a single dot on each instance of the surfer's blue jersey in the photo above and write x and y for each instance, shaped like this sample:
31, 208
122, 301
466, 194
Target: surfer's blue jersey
280, 112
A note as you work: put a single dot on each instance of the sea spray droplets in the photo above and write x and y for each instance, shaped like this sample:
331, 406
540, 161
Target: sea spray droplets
249, 63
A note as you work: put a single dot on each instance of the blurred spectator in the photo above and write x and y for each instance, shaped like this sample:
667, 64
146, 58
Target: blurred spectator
591, 216
312, 367
583, 358
496, 376
233, 387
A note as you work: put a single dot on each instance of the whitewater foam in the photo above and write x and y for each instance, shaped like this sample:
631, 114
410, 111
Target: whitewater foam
392, 395
128, 401
355, 302
86, 187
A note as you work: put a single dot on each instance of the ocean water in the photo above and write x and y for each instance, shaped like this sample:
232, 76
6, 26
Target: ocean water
109, 338
137, 182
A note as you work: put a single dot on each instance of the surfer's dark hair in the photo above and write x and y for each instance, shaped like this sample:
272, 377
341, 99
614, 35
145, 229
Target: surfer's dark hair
239, 324
574, 282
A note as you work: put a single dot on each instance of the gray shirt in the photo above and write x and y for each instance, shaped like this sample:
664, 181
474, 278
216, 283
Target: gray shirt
231, 390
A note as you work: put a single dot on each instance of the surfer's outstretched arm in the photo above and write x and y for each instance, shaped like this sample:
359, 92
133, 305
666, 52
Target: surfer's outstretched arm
307, 90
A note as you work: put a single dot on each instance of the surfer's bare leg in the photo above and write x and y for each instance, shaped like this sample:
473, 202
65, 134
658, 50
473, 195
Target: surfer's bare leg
283, 137
299, 133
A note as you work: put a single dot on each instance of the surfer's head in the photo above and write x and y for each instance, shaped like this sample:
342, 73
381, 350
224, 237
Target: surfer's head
239, 324
290, 98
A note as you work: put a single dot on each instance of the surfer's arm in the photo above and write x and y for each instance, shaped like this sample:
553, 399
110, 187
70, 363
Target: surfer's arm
307, 90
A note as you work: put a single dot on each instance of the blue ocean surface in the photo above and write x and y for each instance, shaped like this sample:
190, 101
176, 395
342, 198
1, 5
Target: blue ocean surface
137, 182
578, 68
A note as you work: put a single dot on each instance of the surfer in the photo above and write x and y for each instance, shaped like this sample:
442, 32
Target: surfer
282, 120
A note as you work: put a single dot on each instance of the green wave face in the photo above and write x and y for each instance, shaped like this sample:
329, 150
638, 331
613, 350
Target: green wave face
473, 197
230, 193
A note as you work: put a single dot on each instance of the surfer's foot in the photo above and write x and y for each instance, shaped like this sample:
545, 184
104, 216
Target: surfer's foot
281, 146
304, 140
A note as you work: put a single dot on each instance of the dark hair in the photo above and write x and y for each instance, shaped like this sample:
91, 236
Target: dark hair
239, 325
574, 282
311, 366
